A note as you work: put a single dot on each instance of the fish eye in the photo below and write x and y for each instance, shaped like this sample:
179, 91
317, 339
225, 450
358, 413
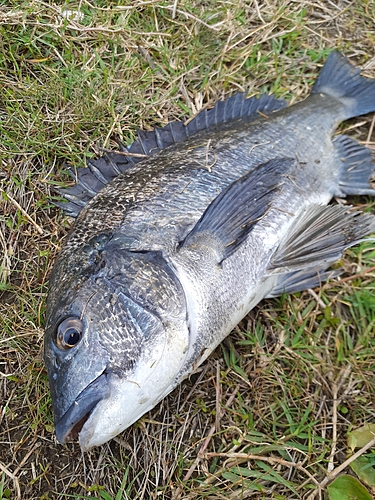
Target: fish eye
69, 333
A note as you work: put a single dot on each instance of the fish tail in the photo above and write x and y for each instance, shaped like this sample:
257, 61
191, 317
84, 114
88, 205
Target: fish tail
340, 79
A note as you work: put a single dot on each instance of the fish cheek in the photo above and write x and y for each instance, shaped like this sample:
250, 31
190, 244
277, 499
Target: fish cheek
128, 332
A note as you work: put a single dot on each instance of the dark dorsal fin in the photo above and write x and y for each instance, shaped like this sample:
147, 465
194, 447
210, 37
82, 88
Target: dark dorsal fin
99, 172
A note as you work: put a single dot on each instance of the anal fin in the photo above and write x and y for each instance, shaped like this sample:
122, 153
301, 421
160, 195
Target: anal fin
297, 281
356, 166
318, 237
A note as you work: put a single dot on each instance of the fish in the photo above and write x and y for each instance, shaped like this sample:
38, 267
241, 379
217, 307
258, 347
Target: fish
179, 235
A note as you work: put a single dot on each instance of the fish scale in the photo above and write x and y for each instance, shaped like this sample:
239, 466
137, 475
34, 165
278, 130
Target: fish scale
171, 249
200, 186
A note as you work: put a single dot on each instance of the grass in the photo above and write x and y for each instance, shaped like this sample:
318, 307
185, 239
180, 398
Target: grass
268, 414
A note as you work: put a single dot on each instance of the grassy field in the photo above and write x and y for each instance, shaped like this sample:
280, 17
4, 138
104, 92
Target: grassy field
267, 416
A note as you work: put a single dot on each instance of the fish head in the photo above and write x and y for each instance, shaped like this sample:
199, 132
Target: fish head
116, 337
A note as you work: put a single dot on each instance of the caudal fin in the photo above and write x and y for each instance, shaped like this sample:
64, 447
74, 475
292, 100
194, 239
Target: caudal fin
340, 79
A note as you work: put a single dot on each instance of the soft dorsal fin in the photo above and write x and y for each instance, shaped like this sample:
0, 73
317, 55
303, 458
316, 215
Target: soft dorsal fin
99, 172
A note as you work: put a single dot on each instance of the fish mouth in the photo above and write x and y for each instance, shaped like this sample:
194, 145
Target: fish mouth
71, 423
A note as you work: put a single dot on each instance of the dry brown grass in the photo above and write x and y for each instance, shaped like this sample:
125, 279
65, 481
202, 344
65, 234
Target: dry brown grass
288, 391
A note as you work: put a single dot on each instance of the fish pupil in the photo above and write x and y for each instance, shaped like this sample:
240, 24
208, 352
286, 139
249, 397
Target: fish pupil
69, 333
72, 336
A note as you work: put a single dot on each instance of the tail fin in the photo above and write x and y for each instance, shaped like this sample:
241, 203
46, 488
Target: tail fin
340, 79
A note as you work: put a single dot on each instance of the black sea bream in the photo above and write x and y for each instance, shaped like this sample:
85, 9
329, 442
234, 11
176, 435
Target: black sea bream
171, 250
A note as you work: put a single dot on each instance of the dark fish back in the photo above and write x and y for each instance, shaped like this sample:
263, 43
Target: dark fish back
99, 172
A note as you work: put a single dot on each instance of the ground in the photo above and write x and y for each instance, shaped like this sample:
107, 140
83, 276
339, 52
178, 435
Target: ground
268, 415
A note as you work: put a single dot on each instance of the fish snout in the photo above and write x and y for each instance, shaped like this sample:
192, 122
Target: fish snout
71, 423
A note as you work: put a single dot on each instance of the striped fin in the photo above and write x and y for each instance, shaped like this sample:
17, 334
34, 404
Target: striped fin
102, 170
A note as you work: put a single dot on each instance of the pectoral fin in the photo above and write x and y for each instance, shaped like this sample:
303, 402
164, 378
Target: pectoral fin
234, 213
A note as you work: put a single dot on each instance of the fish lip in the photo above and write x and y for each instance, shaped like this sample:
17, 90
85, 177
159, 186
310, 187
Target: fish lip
71, 423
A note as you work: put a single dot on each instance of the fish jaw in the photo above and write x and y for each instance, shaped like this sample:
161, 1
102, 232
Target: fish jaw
69, 425
132, 396
113, 401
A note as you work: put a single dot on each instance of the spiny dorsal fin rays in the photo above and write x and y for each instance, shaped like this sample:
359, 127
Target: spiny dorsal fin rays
102, 170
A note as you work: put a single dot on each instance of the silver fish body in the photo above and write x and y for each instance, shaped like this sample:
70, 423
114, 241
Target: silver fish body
169, 253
